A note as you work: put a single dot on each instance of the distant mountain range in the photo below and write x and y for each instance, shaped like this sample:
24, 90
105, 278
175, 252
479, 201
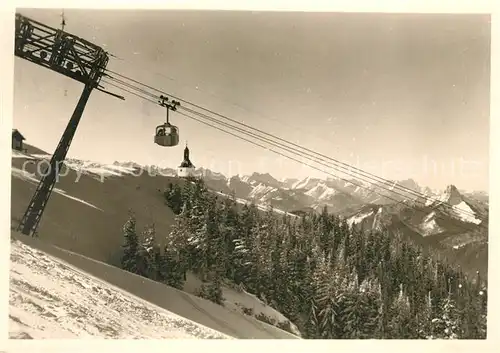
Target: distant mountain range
338, 195
313, 194
453, 221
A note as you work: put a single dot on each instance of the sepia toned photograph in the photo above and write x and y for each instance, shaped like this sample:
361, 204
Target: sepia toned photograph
209, 174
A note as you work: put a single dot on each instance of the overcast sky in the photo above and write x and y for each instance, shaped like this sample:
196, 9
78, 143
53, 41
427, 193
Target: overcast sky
401, 96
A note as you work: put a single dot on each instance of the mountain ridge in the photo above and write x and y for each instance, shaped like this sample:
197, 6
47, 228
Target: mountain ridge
450, 219
292, 194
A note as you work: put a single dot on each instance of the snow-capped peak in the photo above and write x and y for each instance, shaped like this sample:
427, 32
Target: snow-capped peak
429, 225
451, 196
306, 183
460, 208
264, 178
207, 173
321, 191
260, 191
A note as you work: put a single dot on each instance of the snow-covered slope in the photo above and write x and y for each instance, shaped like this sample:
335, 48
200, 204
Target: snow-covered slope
51, 299
207, 173
260, 191
87, 216
355, 199
430, 226
261, 207
359, 217
287, 194
321, 192
104, 170
465, 213
267, 179
30, 177
237, 299
458, 206
288, 182
306, 183
438, 226
294, 195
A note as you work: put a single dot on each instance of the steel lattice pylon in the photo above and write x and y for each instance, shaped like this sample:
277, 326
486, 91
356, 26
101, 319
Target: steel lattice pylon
73, 57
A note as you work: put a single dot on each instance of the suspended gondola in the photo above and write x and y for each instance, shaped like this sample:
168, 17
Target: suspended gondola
167, 135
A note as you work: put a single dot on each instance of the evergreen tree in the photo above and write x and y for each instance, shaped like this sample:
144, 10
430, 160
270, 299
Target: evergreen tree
329, 293
446, 324
171, 268
401, 325
131, 245
242, 255
150, 255
228, 229
329, 279
177, 255
213, 290
168, 195
174, 198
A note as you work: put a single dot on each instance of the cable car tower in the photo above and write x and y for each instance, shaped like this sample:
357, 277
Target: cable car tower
72, 57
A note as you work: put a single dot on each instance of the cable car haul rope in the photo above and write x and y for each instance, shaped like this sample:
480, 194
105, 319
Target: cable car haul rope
276, 144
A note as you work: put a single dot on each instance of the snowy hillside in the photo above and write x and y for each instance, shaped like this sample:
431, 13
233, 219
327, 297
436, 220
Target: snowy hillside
445, 225
430, 226
104, 194
105, 200
361, 204
321, 192
359, 217
266, 179
288, 182
292, 195
51, 299
288, 195
100, 170
32, 178
459, 206
237, 299
307, 183
259, 206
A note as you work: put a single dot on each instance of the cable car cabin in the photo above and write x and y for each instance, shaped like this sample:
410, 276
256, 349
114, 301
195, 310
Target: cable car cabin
167, 135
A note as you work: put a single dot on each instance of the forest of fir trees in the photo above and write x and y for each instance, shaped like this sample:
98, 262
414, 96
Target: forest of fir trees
331, 281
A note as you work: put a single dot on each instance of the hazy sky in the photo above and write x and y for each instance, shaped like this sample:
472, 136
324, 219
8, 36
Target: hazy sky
401, 96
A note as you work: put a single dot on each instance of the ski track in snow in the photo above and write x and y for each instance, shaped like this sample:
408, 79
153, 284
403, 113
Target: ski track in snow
22, 174
51, 299
22, 155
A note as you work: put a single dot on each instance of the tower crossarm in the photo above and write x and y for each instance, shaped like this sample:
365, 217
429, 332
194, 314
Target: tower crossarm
59, 51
